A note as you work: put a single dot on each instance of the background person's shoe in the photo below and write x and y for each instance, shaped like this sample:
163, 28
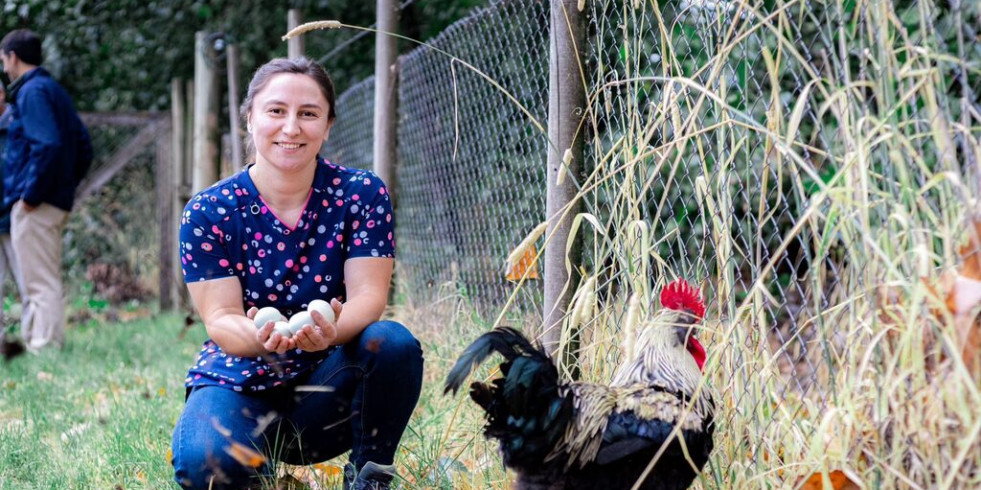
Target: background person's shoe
11, 349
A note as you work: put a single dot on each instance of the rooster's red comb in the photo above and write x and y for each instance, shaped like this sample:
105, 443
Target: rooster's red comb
679, 295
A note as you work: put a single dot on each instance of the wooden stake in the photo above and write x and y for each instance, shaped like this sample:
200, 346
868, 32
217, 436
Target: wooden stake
566, 104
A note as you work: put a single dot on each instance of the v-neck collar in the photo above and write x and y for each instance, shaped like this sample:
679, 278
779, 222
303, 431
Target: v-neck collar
259, 206
268, 209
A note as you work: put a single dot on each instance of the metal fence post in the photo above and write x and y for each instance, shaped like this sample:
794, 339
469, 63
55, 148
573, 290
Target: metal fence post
566, 104
386, 88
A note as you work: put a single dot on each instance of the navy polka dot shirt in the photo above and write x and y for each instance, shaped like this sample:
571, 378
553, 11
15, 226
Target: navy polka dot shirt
228, 231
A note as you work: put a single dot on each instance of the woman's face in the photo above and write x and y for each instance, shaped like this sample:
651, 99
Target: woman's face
288, 122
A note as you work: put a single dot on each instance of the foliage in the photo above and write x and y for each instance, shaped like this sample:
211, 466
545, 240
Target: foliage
118, 55
112, 238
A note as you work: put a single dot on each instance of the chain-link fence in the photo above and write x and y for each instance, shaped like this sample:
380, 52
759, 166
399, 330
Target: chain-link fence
470, 161
796, 159
765, 143
350, 142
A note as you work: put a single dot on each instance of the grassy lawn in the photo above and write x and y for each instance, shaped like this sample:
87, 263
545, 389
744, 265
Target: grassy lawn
99, 414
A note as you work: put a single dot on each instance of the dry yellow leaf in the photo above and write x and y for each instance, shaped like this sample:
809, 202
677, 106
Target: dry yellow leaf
328, 469
526, 264
246, 456
839, 481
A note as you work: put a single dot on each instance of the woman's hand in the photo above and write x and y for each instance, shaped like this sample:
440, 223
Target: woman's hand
320, 336
271, 341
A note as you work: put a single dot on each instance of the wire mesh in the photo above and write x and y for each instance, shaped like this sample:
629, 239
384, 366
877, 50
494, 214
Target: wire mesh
703, 124
471, 162
695, 99
350, 142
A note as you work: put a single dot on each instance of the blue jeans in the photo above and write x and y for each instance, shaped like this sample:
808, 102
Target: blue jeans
360, 398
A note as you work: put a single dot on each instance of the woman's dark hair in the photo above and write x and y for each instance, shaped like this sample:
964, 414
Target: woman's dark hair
25, 44
299, 66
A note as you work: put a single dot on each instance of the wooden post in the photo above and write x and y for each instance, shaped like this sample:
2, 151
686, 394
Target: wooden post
386, 90
178, 155
225, 166
187, 175
233, 114
566, 104
294, 47
205, 114
166, 219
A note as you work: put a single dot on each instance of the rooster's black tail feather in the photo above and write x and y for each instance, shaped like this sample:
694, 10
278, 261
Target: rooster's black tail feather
526, 410
506, 341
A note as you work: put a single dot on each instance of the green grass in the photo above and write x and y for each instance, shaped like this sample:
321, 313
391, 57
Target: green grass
99, 413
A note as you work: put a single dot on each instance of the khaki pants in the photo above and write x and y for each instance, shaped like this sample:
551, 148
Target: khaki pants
8, 264
37, 245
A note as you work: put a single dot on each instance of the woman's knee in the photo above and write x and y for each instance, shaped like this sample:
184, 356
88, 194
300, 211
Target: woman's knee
197, 467
391, 344
212, 449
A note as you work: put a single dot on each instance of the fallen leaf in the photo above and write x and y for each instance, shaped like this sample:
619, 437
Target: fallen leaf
839, 481
246, 456
970, 252
137, 314
328, 469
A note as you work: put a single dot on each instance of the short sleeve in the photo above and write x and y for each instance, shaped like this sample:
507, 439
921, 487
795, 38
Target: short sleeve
373, 227
202, 246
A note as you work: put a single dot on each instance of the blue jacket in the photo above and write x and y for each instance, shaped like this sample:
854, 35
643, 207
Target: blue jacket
48, 147
4, 209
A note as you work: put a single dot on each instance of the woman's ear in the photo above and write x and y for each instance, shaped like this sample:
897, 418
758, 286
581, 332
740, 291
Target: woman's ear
330, 124
248, 123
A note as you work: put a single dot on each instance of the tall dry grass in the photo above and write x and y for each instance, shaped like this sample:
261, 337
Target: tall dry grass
874, 152
813, 167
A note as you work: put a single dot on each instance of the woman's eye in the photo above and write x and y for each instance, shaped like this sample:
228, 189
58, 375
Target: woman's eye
309, 114
275, 110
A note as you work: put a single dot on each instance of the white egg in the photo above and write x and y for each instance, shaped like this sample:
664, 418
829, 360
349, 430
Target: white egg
323, 307
300, 319
283, 328
266, 315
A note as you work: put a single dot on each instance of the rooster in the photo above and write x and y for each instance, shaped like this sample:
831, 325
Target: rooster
572, 435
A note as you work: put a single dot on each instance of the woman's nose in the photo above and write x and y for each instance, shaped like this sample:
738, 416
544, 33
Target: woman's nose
291, 126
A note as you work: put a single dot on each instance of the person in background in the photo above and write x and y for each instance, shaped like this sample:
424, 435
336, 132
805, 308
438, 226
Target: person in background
289, 229
48, 151
9, 348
